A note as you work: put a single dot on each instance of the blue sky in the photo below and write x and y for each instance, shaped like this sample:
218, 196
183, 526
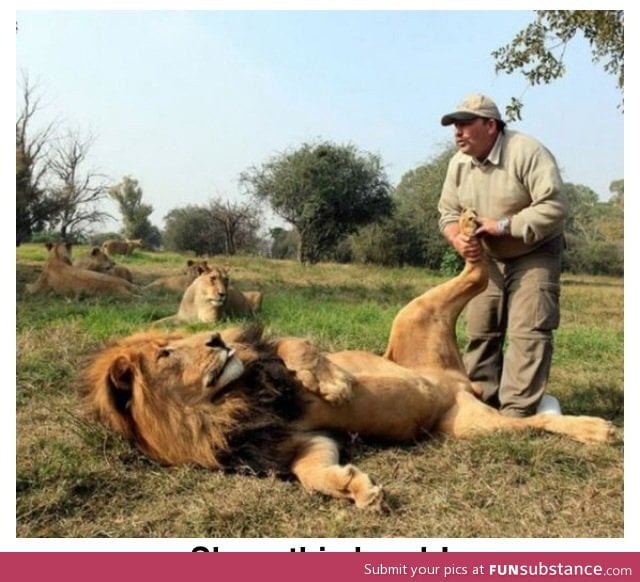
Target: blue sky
184, 101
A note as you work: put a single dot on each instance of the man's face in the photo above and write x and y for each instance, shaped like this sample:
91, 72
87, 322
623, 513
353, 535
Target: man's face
476, 137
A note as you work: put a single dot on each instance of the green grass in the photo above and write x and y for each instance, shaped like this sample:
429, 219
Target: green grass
75, 479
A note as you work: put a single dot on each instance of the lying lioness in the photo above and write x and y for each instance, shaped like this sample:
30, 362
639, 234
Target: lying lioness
210, 298
235, 401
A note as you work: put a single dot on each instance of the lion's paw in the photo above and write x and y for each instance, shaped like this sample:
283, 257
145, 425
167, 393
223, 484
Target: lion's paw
587, 429
336, 386
596, 430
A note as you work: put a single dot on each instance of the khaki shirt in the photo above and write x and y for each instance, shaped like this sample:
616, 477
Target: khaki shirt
519, 179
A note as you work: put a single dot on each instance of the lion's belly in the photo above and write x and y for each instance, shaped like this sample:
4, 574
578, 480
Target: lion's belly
390, 408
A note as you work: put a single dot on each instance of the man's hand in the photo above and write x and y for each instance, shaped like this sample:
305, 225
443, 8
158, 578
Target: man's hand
468, 247
492, 227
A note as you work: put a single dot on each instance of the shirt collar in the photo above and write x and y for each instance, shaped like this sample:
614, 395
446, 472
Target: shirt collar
494, 155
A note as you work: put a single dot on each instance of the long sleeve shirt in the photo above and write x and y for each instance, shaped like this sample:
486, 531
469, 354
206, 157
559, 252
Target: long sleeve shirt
519, 179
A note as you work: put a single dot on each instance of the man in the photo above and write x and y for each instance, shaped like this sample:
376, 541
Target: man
513, 183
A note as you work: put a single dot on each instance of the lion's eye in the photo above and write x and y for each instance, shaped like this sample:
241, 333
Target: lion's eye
163, 353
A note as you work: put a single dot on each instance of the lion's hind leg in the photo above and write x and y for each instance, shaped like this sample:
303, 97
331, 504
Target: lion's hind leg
317, 468
469, 416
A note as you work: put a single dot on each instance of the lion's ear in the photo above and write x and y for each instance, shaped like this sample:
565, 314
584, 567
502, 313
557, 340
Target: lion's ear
121, 374
95, 251
48, 245
189, 262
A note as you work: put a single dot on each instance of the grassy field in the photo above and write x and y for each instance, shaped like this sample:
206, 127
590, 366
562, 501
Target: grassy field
76, 480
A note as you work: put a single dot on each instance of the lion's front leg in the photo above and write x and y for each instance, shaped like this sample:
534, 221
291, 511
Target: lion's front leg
317, 468
314, 370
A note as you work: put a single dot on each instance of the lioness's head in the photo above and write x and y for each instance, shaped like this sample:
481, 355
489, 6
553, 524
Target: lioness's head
101, 259
196, 268
212, 286
59, 251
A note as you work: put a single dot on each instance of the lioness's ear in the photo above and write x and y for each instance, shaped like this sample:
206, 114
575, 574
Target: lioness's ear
121, 374
95, 251
189, 263
48, 245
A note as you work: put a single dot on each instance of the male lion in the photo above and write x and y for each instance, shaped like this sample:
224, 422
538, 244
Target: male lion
209, 298
60, 276
232, 400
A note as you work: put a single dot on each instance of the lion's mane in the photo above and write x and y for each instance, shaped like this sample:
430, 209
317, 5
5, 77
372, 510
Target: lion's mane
245, 427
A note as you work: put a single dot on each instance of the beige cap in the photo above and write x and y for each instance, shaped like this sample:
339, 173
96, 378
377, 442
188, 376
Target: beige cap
471, 107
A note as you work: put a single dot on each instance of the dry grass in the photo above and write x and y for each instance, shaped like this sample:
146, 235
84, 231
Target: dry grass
76, 480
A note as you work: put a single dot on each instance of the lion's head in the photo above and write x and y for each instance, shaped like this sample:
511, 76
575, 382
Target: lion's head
212, 286
101, 258
59, 251
196, 268
191, 398
95, 260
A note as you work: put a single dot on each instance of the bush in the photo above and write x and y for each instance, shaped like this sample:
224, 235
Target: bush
452, 263
594, 258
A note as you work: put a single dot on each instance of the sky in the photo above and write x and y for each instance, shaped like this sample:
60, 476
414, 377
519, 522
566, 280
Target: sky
184, 101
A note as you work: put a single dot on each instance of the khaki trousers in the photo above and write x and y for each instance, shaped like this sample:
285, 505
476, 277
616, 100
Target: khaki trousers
510, 329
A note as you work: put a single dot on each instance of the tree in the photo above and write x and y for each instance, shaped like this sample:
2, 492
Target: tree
190, 228
238, 223
325, 191
34, 206
582, 221
416, 199
537, 51
594, 233
617, 189
285, 243
76, 192
135, 214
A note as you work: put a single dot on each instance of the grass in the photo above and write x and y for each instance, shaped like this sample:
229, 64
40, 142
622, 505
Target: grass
75, 479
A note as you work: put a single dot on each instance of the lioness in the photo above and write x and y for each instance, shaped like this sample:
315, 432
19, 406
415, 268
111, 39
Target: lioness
232, 400
209, 298
59, 275
97, 260
121, 247
94, 260
181, 282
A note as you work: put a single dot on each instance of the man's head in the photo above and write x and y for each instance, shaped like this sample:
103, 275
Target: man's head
477, 122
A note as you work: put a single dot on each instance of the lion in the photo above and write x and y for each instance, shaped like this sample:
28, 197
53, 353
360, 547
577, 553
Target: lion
94, 260
210, 298
235, 400
122, 272
97, 260
181, 282
61, 276
121, 247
